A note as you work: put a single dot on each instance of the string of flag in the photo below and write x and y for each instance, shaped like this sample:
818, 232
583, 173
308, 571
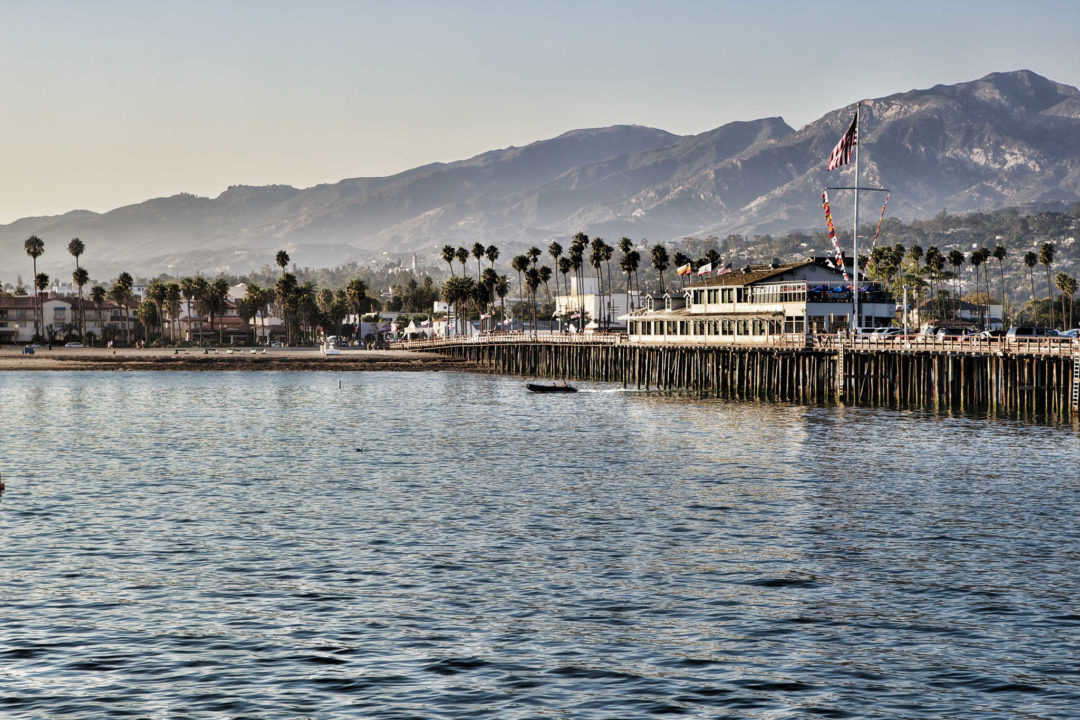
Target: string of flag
877, 230
832, 234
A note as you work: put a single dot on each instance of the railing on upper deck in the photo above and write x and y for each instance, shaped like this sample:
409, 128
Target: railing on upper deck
821, 341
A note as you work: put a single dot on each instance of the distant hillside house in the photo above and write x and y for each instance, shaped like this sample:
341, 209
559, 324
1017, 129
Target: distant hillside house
758, 304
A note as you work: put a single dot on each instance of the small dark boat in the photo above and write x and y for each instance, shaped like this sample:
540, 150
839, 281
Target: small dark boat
553, 388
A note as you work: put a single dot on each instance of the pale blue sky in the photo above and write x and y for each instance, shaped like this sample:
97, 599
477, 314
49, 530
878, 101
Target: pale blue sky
108, 103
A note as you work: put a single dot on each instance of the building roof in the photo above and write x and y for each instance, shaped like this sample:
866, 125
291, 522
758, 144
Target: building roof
757, 273
14, 302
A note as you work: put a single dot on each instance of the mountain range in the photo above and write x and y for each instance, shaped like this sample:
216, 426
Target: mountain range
1006, 139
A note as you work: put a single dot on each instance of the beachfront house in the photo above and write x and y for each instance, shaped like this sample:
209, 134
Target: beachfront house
760, 304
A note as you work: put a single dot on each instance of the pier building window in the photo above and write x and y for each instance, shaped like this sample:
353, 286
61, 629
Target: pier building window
727, 295
794, 324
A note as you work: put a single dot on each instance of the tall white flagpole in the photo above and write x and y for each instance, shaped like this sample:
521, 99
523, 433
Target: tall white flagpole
856, 320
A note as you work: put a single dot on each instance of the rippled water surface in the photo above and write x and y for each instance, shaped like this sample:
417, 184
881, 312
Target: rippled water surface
445, 545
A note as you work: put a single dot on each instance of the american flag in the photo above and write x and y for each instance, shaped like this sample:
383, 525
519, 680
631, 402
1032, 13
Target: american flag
841, 154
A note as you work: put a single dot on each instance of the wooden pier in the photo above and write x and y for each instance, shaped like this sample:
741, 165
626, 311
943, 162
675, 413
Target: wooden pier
1023, 379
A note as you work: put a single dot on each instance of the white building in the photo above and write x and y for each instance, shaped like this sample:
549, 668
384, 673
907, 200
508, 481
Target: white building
758, 304
612, 307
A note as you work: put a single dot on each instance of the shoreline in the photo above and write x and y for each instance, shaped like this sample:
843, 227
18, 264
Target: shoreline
241, 359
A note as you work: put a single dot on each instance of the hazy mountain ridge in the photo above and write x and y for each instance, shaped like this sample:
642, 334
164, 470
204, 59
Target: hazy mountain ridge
1005, 139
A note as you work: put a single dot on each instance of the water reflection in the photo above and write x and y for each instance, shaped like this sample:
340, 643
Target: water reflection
216, 542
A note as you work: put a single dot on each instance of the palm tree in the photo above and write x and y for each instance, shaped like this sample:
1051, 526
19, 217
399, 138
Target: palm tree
533, 254
282, 259
492, 254
660, 262
120, 293
356, 293
285, 293
1067, 285
220, 297
246, 309
628, 264
956, 259
606, 251
596, 259
999, 255
156, 293
1046, 257
545, 276
502, 288
255, 302
41, 282
77, 248
934, 264
478, 251
455, 292
35, 247
448, 256
189, 288
98, 295
532, 282
565, 266
488, 278
146, 314
1031, 260
172, 305
80, 277
462, 256
976, 262
555, 251
577, 262
520, 263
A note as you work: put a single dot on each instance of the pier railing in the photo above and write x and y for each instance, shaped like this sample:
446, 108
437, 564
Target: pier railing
909, 343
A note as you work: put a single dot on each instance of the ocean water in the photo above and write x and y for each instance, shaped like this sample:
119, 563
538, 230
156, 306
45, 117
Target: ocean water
445, 545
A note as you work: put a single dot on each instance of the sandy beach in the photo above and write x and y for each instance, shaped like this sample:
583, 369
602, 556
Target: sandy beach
60, 358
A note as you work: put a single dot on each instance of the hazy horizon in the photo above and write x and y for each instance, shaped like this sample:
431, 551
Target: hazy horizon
113, 103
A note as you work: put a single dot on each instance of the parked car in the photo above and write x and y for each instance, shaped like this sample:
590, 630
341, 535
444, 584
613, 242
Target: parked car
1071, 333
887, 332
991, 334
954, 333
1031, 334
74, 345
